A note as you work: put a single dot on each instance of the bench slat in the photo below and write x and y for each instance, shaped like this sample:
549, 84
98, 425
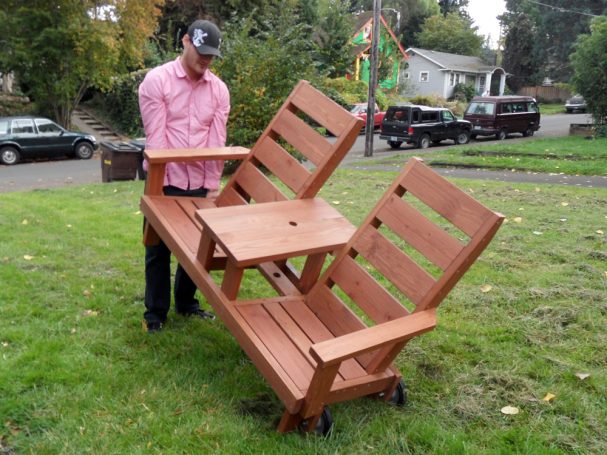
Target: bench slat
282, 164
295, 364
317, 332
301, 136
323, 110
421, 233
452, 203
392, 263
368, 294
257, 185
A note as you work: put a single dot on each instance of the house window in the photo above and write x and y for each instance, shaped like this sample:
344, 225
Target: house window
424, 76
457, 78
452, 79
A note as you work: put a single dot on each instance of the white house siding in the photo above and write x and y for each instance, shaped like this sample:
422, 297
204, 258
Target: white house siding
436, 82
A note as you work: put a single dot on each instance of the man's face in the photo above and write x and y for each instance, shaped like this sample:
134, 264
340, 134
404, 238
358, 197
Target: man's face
194, 63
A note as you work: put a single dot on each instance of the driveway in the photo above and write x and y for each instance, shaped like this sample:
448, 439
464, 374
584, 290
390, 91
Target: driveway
64, 172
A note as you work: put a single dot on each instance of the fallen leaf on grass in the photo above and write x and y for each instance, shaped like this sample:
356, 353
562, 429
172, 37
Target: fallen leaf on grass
86, 293
564, 204
598, 231
336, 202
25, 222
5, 344
486, 288
73, 330
87, 313
537, 233
27, 257
138, 212
583, 376
509, 410
518, 219
549, 397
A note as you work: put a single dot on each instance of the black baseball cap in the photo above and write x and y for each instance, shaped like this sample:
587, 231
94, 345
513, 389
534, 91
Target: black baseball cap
205, 37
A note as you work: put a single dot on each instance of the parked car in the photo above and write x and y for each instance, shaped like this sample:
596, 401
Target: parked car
421, 125
576, 103
32, 137
502, 115
360, 110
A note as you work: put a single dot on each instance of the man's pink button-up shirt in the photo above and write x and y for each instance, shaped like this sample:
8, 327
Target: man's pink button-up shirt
180, 113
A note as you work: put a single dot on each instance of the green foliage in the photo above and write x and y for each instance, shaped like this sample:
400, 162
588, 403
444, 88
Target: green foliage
262, 61
463, 92
61, 48
332, 37
438, 101
121, 103
590, 64
355, 92
452, 33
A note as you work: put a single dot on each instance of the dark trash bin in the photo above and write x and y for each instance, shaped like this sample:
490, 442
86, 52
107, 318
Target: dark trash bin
120, 161
140, 144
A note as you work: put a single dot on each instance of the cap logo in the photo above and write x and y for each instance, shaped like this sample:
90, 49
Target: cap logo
199, 36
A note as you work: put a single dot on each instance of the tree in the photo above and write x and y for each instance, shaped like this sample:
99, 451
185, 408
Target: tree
333, 36
452, 34
589, 62
454, 6
60, 48
519, 58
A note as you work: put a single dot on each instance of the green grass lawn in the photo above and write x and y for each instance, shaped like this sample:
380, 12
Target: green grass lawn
572, 155
79, 375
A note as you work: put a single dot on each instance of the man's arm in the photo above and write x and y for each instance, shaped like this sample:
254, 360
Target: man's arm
153, 111
217, 137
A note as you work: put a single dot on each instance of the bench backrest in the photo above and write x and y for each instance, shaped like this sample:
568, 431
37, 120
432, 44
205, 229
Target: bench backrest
292, 125
403, 243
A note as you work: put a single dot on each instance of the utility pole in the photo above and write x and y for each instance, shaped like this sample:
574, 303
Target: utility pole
369, 128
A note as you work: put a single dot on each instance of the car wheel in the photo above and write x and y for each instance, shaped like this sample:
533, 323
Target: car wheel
462, 138
528, 133
501, 135
9, 155
423, 142
394, 144
84, 150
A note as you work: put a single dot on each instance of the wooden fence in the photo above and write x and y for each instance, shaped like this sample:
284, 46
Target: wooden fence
545, 93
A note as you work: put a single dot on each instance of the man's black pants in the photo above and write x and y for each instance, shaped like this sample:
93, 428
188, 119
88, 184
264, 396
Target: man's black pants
158, 275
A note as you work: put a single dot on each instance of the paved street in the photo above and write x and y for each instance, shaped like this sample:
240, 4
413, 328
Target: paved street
57, 173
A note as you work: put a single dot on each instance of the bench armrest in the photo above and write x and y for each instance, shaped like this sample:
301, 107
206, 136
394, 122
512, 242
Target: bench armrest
158, 159
195, 154
336, 350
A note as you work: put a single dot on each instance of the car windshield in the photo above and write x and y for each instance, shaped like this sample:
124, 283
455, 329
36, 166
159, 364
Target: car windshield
3, 126
358, 109
481, 108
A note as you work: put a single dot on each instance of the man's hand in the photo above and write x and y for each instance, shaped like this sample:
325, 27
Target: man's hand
212, 194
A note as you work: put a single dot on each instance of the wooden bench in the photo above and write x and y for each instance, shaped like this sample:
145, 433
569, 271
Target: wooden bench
337, 340
173, 218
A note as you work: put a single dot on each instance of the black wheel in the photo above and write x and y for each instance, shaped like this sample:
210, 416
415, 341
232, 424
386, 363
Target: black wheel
9, 155
399, 396
394, 144
424, 141
323, 426
501, 135
528, 133
83, 151
462, 138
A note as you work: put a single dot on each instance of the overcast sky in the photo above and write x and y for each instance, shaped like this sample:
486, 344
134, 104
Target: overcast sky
483, 13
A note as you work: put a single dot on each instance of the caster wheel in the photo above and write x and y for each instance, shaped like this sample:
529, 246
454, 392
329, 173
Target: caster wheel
399, 396
323, 426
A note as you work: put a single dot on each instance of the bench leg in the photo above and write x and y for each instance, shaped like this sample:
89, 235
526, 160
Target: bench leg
289, 422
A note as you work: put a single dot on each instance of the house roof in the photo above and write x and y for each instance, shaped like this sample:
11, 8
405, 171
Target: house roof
453, 62
366, 18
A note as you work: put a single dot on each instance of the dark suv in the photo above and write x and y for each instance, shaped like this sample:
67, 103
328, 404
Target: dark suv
31, 137
421, 125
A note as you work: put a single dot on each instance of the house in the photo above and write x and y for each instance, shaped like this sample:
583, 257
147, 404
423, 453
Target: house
391, 55
437, 73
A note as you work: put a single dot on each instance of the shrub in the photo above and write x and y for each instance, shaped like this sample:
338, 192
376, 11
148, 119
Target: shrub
463, 92
355, 92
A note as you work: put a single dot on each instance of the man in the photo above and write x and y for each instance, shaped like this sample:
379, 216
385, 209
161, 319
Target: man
183, 105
